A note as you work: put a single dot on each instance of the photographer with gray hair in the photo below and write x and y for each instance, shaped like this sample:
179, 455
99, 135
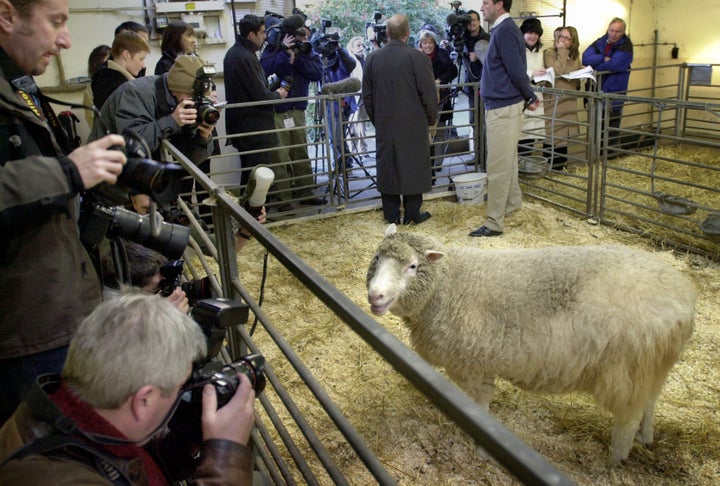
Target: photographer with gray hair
103, 420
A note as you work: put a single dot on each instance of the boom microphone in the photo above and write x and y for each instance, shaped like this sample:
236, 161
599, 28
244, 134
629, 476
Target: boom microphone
344, 86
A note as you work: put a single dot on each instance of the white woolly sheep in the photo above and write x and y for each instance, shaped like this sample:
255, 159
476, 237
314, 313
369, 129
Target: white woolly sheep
606, 320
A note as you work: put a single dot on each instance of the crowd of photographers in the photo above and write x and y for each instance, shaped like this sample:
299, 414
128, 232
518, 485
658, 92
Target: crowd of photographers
76, 400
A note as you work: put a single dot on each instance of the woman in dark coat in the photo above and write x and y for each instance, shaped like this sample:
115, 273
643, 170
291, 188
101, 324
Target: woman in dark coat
444, 70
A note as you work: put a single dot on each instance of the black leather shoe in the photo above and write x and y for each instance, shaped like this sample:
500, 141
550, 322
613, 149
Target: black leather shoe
420, 218
315, 201
485, 231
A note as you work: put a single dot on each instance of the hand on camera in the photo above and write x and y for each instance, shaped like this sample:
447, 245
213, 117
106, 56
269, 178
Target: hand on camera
288, 41
97, 163
185, 113
179, 300
282, 91
235, 420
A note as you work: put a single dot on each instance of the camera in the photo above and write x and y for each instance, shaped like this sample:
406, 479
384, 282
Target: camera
195, 290
456, 28
378, 29
161, 180
328, 44
100, 216
98, 220
202, 89
214, 316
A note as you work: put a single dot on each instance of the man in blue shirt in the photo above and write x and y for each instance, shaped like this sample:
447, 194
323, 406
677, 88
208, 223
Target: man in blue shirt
506, 91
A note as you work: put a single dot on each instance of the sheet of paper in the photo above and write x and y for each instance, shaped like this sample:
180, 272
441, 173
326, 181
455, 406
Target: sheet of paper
549, 76
586, 72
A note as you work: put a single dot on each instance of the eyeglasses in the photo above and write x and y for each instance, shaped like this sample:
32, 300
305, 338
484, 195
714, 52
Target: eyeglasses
566, 37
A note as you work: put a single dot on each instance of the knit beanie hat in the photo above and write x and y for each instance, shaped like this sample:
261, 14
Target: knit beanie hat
531, 25
426, 33
182, 74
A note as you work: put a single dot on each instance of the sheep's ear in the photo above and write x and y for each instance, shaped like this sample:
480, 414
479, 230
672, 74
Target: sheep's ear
390, 230
433, 255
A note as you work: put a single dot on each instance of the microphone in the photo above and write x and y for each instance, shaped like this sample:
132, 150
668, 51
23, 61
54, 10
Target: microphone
344, 86
259, 183
287, 83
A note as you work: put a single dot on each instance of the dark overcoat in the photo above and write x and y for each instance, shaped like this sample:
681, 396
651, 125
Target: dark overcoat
401, 99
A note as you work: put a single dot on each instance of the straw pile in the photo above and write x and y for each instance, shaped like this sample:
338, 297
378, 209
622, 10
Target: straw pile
415, 441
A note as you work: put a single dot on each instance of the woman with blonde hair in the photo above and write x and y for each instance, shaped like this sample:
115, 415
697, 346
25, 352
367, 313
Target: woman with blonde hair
562, 126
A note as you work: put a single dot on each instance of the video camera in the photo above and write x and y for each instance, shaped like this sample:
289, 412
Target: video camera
195, 290
100, 217
327, 44
202, 89
292, 25
379, 29
214, 316
457, 23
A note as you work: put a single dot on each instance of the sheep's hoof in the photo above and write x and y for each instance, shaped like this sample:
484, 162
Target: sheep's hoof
482, 453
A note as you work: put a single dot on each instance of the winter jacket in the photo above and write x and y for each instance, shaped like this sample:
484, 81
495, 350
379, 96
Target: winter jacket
145, 106
305, 69
621, 57
245, 81
106, 80
84, 462
47, 280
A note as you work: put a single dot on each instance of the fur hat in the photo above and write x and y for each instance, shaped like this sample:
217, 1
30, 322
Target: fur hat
182, 74
531, 25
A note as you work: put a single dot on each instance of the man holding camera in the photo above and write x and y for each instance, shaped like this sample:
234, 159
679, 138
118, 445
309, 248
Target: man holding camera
472, 65
47, 281
290, 55
245, 81
158, 107
102, 421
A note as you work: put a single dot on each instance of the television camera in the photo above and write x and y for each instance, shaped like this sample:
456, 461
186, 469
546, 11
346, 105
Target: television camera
457, 23
379, 30
293, 25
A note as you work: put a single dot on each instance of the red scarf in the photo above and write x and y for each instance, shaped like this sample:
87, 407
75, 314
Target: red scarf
90, 421
608, 48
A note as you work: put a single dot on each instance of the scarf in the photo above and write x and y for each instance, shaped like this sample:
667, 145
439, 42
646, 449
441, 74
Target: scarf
90, 421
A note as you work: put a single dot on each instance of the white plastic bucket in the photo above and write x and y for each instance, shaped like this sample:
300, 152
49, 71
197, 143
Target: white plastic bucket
471, 188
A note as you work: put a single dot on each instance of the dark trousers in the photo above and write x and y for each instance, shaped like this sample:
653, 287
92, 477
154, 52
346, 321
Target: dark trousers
18, 374
391, 207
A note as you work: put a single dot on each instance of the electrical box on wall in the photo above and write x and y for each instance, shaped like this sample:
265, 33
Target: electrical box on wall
204, 17
206, 6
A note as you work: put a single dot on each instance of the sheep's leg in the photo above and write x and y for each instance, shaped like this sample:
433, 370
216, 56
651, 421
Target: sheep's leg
481, 391
645, 435
622, 437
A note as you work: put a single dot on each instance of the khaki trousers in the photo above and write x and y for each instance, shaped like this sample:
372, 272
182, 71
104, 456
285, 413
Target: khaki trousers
503, 126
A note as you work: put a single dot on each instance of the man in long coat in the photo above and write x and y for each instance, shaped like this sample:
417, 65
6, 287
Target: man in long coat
401, 99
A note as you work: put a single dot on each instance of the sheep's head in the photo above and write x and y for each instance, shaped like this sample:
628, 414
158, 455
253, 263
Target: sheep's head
401, 274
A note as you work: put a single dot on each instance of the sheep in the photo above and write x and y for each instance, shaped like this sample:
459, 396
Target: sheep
606, 320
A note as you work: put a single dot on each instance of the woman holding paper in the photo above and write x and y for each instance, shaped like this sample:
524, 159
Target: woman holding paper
563, 57
533, 124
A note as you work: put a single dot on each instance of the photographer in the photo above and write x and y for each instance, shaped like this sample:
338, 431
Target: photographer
46, 276
115, 400
158, 107
291, 56
472, 65
338, 65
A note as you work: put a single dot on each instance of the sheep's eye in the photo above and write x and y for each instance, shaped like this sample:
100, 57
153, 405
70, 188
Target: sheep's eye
413, 266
